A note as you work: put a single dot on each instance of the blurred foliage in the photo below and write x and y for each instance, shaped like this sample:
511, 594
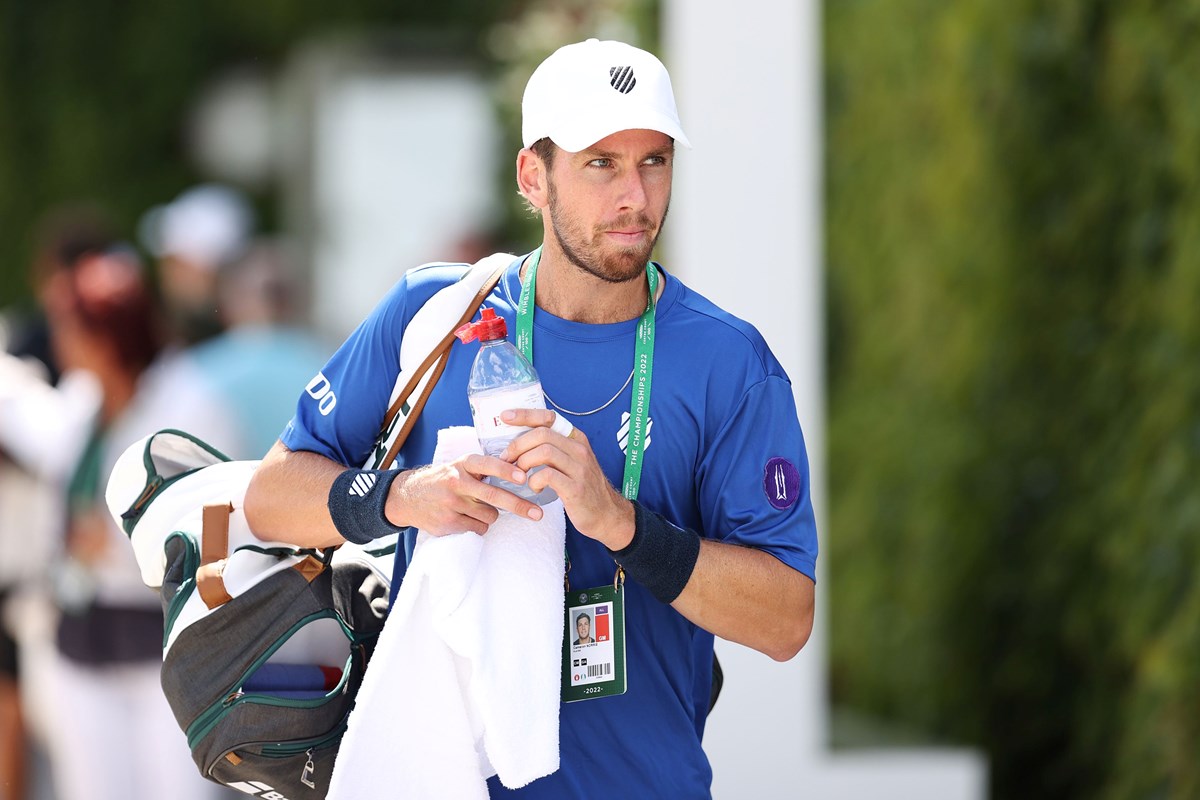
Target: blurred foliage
94, 96
1013, 216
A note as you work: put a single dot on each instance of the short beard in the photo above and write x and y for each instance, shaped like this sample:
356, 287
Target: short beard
615, 270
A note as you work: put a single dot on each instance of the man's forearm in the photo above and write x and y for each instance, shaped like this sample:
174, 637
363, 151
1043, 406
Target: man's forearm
739, 593
749, 597
287, 499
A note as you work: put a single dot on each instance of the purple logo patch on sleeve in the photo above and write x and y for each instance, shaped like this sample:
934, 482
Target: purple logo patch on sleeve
781, 482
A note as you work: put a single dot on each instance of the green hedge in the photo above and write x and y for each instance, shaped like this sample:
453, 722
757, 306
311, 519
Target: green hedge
1013, 216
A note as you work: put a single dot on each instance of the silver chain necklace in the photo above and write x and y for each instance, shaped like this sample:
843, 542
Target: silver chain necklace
557, 407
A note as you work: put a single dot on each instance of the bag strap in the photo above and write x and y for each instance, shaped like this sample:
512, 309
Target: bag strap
210, 582
214, 549
436, 360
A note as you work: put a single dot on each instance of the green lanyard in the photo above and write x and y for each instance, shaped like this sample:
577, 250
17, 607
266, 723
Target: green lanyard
643, 367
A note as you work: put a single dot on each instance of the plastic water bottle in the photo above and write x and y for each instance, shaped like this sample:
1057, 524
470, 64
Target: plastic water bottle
501, 378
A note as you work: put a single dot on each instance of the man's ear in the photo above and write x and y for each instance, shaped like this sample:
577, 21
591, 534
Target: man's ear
532, 181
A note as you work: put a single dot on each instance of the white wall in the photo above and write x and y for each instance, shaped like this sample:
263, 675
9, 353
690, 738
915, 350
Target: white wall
395, 167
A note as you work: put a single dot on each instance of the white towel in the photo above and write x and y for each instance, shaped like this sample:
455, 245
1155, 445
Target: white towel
465, 679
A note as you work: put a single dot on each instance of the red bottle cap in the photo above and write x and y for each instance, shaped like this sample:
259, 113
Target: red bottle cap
489, 327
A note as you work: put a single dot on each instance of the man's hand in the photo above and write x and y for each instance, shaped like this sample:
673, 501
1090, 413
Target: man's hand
594, 507
452, 498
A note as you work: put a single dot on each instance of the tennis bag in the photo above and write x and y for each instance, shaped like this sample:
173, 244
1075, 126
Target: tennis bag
264, 645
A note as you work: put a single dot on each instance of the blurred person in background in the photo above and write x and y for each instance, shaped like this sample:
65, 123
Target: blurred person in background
111, 733
29, 513
192, 238
263, 360
230, 299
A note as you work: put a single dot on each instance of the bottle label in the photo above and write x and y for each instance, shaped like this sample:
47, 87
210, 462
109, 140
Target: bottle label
487, 407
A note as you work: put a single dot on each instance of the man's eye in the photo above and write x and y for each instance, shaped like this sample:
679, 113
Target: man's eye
599, 162
655, 161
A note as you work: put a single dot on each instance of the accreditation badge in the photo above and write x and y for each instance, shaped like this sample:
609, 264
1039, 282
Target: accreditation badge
594, 644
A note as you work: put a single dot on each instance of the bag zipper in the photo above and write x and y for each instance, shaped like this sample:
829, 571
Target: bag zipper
289, 749
209, 717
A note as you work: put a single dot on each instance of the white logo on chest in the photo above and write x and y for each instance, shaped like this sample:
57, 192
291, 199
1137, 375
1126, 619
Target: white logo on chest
623, 433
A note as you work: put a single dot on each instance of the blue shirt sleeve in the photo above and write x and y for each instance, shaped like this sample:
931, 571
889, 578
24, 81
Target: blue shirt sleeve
341, 411
754, 486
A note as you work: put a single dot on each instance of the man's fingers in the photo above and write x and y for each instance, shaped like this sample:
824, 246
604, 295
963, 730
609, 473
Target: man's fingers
457, 497
481, 466
562, 426
496, 497
558, 423
544, 454
461, 523
464, 514
549, 476
540, 436
529, 417
504, 500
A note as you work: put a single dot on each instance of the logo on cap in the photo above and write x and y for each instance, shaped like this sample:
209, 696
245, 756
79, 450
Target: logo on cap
781, 483
622, 79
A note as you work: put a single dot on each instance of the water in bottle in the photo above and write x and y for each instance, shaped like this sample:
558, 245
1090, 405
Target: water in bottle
501, 378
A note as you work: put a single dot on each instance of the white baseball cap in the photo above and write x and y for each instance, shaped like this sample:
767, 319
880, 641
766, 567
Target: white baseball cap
208, 225
586, 91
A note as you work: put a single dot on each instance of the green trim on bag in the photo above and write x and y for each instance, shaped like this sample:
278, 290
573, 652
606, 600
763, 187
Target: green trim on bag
191, 563
289, 749
209, 717
283, 551
386, 550
155, 483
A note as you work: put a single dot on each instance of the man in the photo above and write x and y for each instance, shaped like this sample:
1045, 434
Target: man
260, 358
193, 238
711, 523
583, 630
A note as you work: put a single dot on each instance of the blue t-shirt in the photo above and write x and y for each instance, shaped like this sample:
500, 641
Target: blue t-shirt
725, 457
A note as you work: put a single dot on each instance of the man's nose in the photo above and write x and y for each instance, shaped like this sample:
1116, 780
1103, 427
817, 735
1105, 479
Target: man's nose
633, 191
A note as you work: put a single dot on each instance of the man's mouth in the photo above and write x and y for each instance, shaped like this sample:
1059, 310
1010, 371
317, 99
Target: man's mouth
627, 236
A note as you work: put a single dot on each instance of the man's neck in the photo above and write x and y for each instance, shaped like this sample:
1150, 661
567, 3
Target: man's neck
566, 291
